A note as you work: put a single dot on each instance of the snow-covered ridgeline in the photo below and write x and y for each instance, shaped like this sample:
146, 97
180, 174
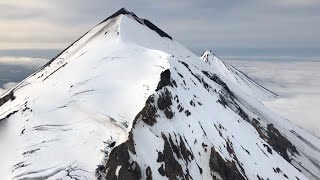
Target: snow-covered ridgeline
126, 101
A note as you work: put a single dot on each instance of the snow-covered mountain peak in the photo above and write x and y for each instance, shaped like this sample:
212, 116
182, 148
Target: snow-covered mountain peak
142, 21
126, 101
233, 76
209, 57
206, 54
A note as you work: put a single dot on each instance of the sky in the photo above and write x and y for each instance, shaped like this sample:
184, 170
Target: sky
15, 69
277, 41
233, 29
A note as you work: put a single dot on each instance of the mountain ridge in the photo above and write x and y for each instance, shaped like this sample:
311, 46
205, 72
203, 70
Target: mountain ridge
140, 105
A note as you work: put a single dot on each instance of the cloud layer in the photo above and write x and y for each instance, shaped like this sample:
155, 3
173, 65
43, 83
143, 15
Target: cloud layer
297, 83
7, 86
15, 69
23, 61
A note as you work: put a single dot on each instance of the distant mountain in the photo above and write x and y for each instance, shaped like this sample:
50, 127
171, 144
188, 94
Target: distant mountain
126, 101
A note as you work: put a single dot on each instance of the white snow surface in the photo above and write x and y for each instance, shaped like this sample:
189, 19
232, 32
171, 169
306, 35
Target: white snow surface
65, 116
233, 76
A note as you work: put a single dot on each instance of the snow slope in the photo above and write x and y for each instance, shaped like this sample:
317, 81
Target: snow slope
126, 101
250, 97
231, 75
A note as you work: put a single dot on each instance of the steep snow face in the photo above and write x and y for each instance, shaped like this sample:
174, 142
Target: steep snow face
65, 114
233, 76
125, 101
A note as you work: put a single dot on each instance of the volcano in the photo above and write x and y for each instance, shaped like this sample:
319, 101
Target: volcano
127, 101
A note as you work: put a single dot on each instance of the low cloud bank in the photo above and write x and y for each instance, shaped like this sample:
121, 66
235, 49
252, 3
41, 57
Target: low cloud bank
15, 69
7, 86
23, 61
297, 83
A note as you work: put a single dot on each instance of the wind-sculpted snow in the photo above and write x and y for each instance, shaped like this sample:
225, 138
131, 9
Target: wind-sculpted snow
235, 77
127, 102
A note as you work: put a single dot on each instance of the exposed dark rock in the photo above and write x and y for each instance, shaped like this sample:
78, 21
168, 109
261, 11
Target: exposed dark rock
186, 153
31, 151
174, 147
243, 114
161, 170
200, 169
198, 77
204, 132
149, 112
148, 173
216, 79
276, 140
262, 150
130, 143
185, 64
164, 102
172, 169
168, 113
7, 97
100, 172
192, 103
280, 143
139, 20
240, 165
268, 148
165, 79
119, 156
278, 170
160, 157
119, 12
19, 165
174, 83
246, 150
229, 148
184, 82
176, 98
8, 115
204, 145
256, 124
223, 101
188, 113
260, 178
274, 170
155, 28
227, 170
112, 144
180, 108
226, 96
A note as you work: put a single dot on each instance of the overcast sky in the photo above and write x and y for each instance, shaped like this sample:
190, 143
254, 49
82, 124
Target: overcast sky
253, 29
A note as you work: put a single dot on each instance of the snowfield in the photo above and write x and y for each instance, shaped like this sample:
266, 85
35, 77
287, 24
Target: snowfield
126, 101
